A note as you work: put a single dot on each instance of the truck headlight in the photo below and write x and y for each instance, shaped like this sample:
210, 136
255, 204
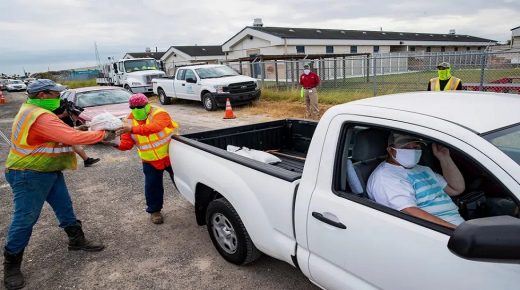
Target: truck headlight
220, 89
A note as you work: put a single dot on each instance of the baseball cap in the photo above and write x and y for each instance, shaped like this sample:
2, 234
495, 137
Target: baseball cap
44, 85
399, 140
443, 65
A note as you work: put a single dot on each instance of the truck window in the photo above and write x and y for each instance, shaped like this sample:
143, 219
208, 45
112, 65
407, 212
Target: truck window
190, 74
363, 148
180, 74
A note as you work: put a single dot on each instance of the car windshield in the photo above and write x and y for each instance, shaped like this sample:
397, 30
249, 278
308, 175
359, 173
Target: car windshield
102, 97
140, 64
507, 140
16, 82
216, 72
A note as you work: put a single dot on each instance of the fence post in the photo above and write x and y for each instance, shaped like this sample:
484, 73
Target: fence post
368, 68
335, 72
292, 73
374, 68
483, 61
276, 72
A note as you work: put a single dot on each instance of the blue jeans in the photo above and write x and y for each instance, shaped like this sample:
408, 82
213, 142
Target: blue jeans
30, 190
153, 186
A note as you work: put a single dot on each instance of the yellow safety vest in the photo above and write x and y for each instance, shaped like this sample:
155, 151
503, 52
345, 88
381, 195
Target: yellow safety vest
155, 146
45, 157
453, 83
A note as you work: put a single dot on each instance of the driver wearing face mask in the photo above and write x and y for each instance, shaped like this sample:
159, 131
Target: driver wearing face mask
400, 183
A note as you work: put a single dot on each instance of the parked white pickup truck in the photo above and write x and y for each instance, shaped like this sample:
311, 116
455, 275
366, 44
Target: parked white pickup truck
211, 84
311, 210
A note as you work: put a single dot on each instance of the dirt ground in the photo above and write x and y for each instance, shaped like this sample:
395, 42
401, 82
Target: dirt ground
109, 199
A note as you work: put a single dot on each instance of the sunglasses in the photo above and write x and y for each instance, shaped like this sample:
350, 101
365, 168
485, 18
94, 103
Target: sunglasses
137, 107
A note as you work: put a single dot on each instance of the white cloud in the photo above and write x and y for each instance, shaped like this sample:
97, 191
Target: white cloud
50, 32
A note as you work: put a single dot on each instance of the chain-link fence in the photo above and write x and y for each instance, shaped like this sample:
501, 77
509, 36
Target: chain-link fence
380, 74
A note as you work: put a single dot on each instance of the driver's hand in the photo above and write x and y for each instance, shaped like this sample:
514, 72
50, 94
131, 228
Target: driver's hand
440, 151
124, 129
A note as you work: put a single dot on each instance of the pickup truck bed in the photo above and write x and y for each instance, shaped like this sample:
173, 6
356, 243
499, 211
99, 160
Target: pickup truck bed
287, 139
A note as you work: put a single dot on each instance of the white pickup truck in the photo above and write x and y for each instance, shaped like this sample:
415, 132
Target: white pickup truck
211, 84
311, 210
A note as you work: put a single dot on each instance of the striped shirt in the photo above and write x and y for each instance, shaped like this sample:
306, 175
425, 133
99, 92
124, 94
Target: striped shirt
399, 188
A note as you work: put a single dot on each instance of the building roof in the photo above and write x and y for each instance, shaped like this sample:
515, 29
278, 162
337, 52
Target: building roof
317, 33
156, 55
473, 110
200, 50
515, 28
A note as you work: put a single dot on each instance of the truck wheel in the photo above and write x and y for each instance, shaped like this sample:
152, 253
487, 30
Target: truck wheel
127, 87
209, 102
228, 233
163, 98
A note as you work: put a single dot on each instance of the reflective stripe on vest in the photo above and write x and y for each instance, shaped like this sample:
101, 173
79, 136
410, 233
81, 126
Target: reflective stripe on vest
453, 83
154, 146
44, 157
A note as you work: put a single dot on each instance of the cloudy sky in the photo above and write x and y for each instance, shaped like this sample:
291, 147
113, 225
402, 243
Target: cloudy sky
60, 34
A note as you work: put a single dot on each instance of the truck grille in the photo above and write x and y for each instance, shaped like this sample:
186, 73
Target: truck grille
240, 87
150, 77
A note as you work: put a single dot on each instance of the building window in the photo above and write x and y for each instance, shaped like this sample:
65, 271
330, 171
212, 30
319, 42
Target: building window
353, 49
428, 49
468, 48
412, 48
376, 48
329, 49
300, 49
479, 48
443, 48
456, 49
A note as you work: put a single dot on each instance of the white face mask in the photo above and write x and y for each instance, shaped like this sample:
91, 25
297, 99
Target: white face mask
408, 158
306, 71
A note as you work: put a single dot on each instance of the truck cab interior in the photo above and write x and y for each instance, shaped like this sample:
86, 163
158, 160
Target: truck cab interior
363, 148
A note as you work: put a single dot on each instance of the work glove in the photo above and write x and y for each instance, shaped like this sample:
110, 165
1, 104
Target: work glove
82, 128
124, 129
109, 136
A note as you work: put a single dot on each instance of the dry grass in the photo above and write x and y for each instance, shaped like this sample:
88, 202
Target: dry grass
278, 109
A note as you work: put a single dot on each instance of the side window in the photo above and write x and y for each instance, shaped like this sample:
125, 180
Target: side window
180, 74
65, 95
363, 149
190, 74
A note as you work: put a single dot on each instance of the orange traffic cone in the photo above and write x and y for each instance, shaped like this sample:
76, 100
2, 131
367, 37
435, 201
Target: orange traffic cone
2, 99
229, 111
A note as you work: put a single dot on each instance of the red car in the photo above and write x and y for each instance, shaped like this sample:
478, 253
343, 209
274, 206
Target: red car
97, 100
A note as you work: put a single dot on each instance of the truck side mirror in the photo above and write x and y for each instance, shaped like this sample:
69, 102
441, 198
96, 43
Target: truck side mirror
493, 239
115, 67
191, 80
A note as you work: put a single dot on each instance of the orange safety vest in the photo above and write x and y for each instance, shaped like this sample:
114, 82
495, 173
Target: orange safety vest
453, 83
44, 157
155, 146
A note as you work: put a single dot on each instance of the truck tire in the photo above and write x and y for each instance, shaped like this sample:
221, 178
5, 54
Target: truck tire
127, 87
228, 233
163, 98
209, 102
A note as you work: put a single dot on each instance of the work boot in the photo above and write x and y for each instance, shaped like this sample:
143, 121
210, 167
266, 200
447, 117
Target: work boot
90, 161
156, 217
13, 277
77, 240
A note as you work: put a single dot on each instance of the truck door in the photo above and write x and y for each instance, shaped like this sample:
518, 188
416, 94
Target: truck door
192, 86
180, 84
355, 243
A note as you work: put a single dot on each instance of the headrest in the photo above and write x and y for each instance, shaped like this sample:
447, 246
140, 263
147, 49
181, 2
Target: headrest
369, 144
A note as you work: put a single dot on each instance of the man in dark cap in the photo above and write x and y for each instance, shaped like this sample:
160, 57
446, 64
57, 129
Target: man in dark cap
41, 148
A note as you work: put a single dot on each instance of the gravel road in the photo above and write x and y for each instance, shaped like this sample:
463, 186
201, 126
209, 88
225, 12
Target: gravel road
109, 199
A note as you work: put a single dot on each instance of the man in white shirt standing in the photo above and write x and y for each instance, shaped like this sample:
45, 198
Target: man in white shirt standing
416, 190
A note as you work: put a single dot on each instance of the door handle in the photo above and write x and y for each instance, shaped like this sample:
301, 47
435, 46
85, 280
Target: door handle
321, 218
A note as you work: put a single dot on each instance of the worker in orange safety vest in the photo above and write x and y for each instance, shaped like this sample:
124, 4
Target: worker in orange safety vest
150, 129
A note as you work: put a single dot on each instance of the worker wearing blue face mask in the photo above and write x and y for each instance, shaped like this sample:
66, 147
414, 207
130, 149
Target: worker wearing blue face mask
445, 81
400, 183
